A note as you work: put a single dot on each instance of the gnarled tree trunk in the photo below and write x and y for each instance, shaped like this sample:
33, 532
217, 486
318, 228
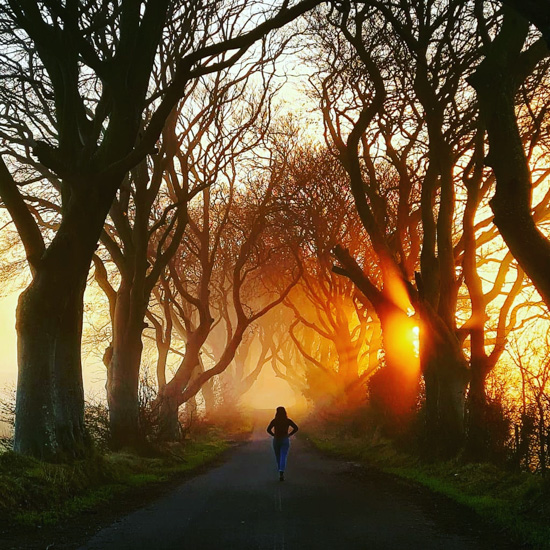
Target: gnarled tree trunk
508, 65
50, 397
169, 398
446, 377
123, 372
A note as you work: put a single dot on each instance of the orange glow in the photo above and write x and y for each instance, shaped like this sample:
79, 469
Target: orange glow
402, 357
269, 392
396, 386
402, 343
395, 287
416, 340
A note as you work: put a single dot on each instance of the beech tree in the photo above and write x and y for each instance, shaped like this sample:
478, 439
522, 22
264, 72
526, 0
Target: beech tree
140, 245
510, 57
417, 92
89, 67
538, 13
487, 335
324, 302
286, 361
302, 360
213, 127
233, 267
353, 94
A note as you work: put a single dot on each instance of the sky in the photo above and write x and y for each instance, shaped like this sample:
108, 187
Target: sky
8, 342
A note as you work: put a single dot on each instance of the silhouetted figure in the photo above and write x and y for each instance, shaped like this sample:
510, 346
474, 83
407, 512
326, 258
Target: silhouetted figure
278, 428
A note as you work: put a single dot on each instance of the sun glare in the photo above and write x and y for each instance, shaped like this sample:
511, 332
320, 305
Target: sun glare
416, 340
402, 336
395, 287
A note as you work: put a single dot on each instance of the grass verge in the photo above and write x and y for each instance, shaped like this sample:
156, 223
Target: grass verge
516, 502
34, 493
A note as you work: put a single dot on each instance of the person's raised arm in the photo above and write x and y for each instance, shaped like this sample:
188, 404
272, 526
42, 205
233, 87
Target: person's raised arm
293, 426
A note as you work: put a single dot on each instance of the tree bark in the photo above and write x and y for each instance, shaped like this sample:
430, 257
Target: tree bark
208, 394
506, 64
123, 371
477, 444
50, 396
348, 367
446, 376
169, 398
168, 411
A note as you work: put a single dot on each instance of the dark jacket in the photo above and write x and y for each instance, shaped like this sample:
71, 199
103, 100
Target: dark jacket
278, 428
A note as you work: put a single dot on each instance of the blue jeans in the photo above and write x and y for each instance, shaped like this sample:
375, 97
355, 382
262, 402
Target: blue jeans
281, 447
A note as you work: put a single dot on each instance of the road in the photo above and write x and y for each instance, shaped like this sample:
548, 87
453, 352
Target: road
323, 504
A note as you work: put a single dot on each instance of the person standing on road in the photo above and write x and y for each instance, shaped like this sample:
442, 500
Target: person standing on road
278, 428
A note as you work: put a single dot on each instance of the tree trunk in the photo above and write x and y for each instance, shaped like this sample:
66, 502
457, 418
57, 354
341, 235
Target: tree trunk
169, 426
453, 380
207, 391
348, 368
446, 377
50, 396
190, 409
193, 386
431, 402
122, 392
394, 388
511, 203
477, 443
169, 398
375, 343
123, 372
541, 435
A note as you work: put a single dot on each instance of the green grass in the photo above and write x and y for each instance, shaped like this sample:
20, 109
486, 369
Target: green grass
516, 502
35, 493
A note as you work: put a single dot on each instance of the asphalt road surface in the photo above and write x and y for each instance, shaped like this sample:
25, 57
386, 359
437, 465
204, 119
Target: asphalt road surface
323, 504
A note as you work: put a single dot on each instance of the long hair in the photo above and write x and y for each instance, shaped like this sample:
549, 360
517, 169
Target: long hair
281, 413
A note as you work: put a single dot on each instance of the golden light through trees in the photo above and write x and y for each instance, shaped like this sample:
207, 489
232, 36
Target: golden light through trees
8, 340
370, 252
270, 392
